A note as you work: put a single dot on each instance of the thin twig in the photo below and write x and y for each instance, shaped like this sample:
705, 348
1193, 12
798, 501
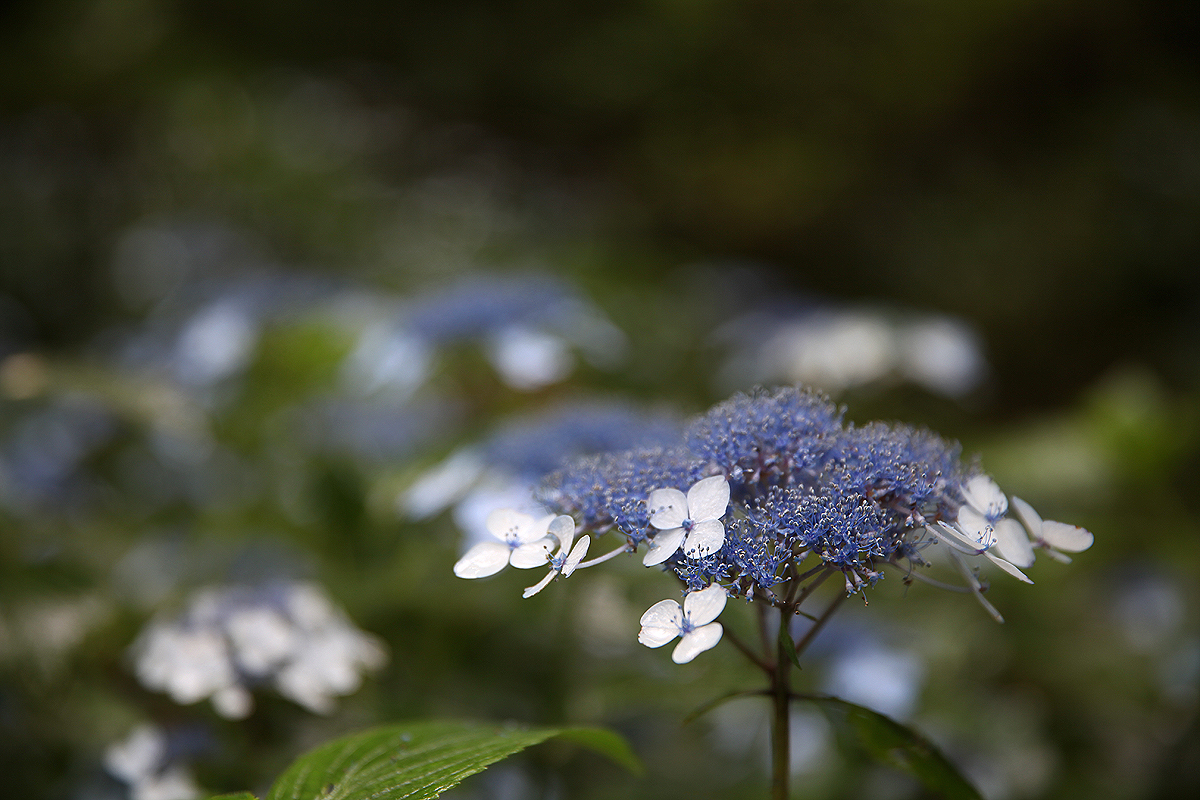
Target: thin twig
820, 623
711, 704
758, 660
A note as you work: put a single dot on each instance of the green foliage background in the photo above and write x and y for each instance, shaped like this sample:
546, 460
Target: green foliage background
1032, 166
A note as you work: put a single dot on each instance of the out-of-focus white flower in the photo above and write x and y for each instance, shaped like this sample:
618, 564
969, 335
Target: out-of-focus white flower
443, 485
140, 761
942, 354
840, 347
215, 343
228, 641
529, 359
388, 358
694, 623
879, 677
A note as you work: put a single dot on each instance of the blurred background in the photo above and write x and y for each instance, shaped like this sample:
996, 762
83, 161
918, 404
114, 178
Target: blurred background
291, 294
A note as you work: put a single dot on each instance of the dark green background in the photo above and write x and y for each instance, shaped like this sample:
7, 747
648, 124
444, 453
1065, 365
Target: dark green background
1032, 167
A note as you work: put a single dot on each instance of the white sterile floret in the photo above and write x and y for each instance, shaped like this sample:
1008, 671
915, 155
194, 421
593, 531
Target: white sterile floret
980, 524
692, 520
566, 560
665, 620
524, 543
985, 505
1053, 537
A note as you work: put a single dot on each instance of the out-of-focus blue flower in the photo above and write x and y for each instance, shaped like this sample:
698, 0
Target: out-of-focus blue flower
502, 470
528, 326
43, 454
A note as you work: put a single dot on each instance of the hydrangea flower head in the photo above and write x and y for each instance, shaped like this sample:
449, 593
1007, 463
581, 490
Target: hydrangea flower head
776, 479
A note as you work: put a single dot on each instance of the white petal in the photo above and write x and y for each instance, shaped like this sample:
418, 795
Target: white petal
697, 642
704, 606
668, 508
485, 558
1012, 543
985, 496
562, 528
530, 591
576, 555
1029, 518
974, 526
663, 614
538, 529
661, 623
956, 539
507, 524
1071, 538
1007, 567
707, 537
663, 546
656, 637
532, 554
709, 498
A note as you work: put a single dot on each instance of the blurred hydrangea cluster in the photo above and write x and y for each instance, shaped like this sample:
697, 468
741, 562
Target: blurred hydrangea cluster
144, 762
838, 347
502, 470
231, 640
528, 326
765, 496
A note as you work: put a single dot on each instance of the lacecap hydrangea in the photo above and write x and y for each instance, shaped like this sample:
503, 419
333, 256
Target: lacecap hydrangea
770, 493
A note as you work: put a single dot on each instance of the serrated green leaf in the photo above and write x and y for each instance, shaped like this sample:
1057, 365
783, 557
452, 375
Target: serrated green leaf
902, 747
420, 760
234, 796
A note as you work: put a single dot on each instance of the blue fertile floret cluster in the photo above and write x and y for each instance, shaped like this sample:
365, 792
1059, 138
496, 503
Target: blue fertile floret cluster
804, 485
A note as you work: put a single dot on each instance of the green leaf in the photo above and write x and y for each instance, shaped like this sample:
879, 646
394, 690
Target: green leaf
787, 644
892, 743
422, 759
234, 796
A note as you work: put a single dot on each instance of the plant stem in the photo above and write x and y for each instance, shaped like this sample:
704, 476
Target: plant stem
781, 692
780, 712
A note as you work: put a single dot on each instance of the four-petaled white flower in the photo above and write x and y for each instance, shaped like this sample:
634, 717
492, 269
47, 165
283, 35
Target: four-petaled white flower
567, 558
1051, 536
981, 524
524, 543
665, 620
693, 520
